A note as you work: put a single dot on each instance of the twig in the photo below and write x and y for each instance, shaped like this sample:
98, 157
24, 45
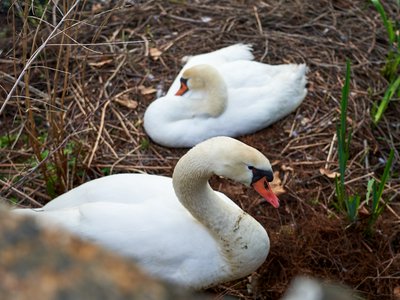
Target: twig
20, 193
96, 144
33, 57
328, 158
22, 84
260, 29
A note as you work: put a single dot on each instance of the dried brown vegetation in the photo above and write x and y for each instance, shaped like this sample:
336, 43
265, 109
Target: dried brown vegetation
76, 114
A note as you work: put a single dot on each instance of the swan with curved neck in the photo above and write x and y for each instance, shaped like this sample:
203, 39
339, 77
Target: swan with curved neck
224, 93
181, 230
209, 85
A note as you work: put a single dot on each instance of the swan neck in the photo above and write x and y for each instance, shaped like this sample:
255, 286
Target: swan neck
190, 181
217, 95
243, 242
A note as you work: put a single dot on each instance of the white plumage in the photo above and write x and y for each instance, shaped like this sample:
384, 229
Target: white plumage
176, 229
229, 94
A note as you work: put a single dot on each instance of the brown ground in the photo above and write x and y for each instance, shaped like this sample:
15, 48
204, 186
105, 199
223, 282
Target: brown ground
105, 78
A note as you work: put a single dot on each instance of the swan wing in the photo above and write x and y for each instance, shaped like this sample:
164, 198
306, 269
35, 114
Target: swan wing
165, 240
123, 188
241, 73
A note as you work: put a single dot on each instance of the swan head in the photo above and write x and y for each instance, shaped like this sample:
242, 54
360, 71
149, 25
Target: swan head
200, 78
235, 160
206, 81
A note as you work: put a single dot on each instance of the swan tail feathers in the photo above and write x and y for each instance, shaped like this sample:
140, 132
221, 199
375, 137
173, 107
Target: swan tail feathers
227, 54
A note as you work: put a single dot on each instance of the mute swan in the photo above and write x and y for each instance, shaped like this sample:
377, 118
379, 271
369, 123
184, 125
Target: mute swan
176, 229
224, 93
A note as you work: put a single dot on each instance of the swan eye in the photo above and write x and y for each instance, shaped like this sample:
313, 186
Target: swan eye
258, 174
250, 167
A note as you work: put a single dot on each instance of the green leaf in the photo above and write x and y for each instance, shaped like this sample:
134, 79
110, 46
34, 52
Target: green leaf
377, 190
391, 90
339, 194
353, 204
385, 174
375, 200
144, 144
106, 171
369, 189
388, 23
343, 145
344, 102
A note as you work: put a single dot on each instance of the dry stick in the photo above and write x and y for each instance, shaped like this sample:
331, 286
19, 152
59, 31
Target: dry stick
20, 193
265, 51
22, 126
366, 151
137, 169
62, 144
298, 138
120, 65
292, 129
359, 178
22, 85
103, 115
123, 157
109, 145
258, 20
85, 45
307, 146
77, 92
117, 114
328, 158
165, 47
76, 43
33, 57
37, 192
146, 46
390, 208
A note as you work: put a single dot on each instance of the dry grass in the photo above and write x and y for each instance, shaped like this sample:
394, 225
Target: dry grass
76, 114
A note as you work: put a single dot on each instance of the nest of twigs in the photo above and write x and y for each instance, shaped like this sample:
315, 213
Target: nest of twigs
77, 113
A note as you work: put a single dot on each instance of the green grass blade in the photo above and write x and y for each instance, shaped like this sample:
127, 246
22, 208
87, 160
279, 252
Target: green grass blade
341, 130
343, 147
375, 200
353, 204
369, 189
388, 23
391, 90
339, 194
344, 102
376, 209
377, 190
385, 174
342, 155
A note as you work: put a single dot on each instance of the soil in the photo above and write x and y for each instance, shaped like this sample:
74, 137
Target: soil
116, 57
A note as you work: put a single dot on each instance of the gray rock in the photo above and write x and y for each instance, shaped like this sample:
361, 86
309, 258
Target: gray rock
37, 263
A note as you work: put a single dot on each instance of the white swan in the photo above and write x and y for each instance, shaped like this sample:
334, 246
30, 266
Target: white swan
224, 93
176, 229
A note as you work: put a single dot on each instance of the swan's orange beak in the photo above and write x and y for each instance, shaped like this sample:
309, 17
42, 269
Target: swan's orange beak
262, 187
183, 89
